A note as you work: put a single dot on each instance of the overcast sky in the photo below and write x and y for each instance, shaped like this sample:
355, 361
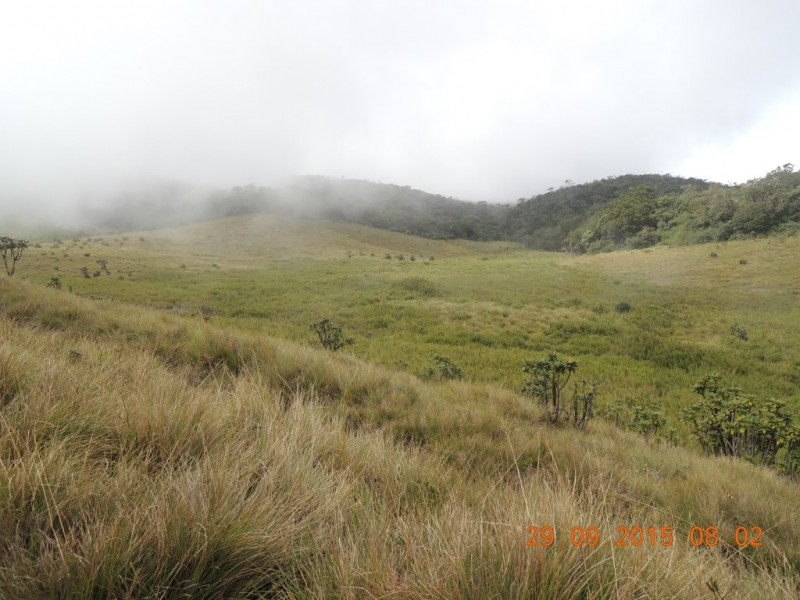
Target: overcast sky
492, 100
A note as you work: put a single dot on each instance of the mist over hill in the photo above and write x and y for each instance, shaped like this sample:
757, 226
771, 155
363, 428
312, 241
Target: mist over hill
628, 211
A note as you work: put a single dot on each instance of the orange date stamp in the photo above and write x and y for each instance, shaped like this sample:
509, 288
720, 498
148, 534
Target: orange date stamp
636, 536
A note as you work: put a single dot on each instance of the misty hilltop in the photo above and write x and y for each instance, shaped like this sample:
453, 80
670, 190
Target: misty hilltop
628, 211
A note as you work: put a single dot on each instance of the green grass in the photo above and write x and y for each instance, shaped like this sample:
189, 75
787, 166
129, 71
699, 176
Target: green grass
486, 306
149, 452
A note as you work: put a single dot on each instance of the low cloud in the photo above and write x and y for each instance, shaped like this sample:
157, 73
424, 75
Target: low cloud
474, 100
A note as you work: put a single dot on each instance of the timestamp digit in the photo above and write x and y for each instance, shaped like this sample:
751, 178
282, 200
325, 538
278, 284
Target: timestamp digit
548, 536
637, 536
592, 536
623, 534
533, 529
667, 539
742, 536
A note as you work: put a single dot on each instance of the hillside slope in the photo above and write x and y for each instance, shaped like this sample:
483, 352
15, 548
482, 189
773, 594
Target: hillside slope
487, 306
145, 454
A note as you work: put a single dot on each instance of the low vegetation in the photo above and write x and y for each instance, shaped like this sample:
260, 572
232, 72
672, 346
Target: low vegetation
203, 445
133, 466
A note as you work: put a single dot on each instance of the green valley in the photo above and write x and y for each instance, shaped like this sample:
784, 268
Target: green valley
171, 426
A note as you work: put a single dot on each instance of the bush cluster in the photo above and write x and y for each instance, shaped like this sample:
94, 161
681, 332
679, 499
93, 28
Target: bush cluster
727, 422
641, 416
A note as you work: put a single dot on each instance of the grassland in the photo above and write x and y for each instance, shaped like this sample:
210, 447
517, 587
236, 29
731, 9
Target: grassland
486, 306
147, 452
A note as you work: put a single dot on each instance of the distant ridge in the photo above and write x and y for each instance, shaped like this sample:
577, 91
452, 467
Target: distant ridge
628, 211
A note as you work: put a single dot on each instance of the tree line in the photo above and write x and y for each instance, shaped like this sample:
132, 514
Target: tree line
629, 211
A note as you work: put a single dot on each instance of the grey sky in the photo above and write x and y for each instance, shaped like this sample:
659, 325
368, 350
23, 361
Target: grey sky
479, 100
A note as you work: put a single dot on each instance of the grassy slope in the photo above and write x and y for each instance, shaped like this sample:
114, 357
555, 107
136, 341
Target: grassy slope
146, 454
486, 306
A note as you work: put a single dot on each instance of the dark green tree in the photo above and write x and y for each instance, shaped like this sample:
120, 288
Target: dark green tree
630, 213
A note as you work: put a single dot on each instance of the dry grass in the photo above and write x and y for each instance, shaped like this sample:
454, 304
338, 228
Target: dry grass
149, 455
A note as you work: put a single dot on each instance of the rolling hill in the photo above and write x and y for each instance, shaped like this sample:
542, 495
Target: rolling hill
629, 211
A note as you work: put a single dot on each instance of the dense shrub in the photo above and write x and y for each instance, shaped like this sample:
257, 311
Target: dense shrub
727, 422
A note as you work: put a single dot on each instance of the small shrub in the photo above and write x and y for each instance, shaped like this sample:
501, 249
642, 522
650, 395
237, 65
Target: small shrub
646, 419
549, 377
55, 282
11, 250
739, 331
582, 407
742, 261
713, 255
388, 256
443, 368
643, 417
330, 335
623, 307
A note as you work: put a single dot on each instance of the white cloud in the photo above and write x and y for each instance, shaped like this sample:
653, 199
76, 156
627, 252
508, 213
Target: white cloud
479, 100
770, 142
